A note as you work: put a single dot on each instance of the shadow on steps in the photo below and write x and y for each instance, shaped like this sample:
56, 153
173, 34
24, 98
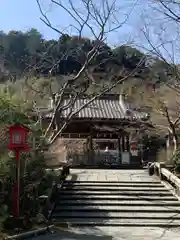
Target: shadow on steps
82, 233
66, 217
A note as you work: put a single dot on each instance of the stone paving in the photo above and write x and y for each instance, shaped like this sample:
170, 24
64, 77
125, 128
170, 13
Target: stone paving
111, 232
112, 175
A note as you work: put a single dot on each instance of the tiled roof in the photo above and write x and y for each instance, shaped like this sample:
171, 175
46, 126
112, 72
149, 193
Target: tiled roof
103, 109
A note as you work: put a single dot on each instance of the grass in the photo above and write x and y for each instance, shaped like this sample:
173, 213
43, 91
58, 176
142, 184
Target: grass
2, 233
2, 218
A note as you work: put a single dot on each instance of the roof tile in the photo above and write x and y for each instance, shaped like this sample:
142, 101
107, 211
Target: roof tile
103, 109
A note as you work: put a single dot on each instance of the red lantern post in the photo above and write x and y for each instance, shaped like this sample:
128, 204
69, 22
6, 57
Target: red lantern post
18, 143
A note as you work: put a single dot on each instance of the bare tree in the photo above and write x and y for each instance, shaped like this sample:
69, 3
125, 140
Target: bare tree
162, 35
98, 19
163, 47
169, 118
170, 8
164, 108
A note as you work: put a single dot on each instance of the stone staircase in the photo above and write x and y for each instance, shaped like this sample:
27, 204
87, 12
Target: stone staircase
88, 203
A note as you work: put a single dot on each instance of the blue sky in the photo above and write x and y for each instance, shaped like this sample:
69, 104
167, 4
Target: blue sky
24, 14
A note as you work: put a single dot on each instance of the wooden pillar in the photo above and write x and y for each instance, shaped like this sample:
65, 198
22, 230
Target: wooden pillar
123, 143
90, 149
91, 155
127, 143
119, 148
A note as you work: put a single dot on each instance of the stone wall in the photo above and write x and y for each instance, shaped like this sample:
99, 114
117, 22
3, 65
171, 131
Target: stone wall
67, 150
77, 152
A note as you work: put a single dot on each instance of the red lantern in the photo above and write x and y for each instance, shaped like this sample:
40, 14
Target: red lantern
18, 138
18, 142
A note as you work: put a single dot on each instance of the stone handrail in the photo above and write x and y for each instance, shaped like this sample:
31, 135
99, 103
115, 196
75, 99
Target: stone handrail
164, 174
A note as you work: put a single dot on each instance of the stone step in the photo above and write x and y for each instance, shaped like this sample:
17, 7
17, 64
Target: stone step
103, 203
115, 214
153, 182
119, 223
118, 203
117, 198
129, 208
119, 210
117, 189
120, 193
113, 185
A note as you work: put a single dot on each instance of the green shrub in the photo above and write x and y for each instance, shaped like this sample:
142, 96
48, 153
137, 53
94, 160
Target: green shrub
175, 159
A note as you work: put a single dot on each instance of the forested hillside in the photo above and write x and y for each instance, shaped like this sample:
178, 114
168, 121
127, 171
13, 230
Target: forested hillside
27, 55
24, 52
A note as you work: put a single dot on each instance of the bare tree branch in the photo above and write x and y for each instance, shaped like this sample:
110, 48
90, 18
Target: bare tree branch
120, 80
46, 20
169, 12
100, 22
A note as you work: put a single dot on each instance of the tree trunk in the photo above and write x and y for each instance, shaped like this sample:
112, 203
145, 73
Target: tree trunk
56, 121
175, 139
175, 143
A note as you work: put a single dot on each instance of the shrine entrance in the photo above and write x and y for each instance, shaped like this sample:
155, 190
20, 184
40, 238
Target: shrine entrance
112, 152
106, 152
